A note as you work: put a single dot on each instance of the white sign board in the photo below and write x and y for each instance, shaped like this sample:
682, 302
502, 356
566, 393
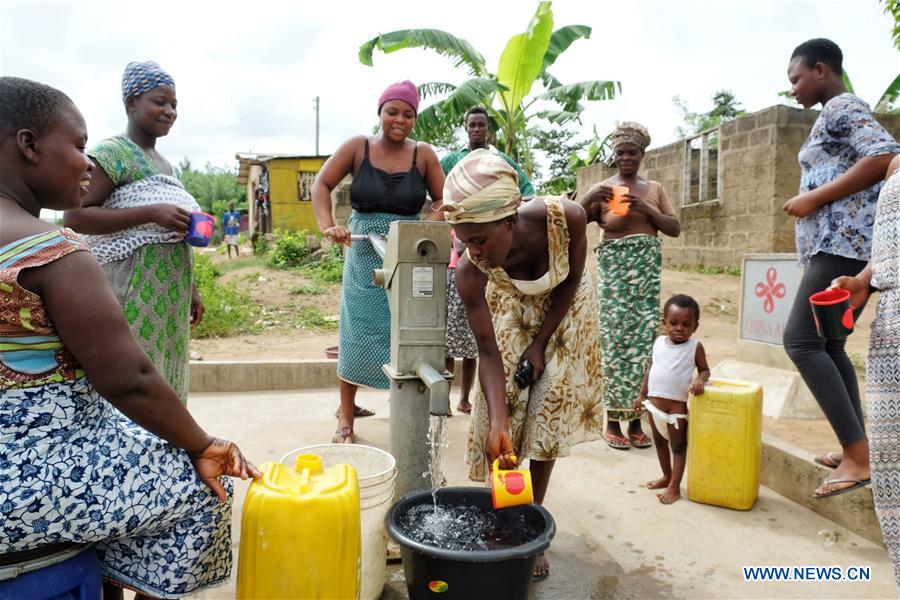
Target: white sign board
769, 286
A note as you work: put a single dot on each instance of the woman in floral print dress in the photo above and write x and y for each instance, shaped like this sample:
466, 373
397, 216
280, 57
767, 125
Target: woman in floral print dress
842, 165
522, 285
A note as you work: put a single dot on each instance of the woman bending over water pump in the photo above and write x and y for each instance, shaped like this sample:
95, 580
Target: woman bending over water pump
521, 281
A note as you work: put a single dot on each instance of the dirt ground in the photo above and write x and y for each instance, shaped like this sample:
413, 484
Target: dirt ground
279, 292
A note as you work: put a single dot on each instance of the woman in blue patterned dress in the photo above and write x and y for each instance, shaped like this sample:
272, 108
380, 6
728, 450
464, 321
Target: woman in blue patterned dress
842, 164
883, 367
391, 174
95, 446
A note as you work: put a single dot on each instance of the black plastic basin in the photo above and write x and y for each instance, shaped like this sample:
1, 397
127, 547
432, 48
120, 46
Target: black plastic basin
437, 574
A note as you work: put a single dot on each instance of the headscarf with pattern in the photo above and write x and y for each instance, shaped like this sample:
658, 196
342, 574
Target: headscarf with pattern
481, 188
140, 77
630, 132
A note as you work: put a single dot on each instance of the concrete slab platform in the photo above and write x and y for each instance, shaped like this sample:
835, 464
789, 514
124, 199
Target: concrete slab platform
614, 539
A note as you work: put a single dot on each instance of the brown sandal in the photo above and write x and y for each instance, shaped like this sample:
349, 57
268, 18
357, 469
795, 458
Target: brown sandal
344, 435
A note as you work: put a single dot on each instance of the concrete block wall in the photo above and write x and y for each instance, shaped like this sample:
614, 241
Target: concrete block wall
758, 172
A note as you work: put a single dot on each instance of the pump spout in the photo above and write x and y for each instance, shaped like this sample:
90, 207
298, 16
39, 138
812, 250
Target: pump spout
438, 387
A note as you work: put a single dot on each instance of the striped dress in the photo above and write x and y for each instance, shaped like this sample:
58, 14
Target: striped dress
883, 369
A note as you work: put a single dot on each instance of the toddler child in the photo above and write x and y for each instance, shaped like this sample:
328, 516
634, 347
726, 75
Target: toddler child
664, 394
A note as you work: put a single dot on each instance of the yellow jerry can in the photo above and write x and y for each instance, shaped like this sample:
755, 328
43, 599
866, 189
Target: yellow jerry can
725, 444
300, 532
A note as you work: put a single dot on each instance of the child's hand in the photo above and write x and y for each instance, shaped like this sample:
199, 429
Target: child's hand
697, 386
639, 404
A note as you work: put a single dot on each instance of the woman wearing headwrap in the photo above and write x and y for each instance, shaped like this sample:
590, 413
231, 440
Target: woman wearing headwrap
629, 262
136, 215
522, 285
391, 174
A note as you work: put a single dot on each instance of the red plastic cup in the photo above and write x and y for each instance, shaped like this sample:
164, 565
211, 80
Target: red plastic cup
832, 313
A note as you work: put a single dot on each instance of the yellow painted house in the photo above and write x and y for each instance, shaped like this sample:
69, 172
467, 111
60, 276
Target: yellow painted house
279, 190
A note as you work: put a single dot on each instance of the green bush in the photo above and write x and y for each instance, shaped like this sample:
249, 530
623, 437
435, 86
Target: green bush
325, 267
229, 310
260, 245
290, 250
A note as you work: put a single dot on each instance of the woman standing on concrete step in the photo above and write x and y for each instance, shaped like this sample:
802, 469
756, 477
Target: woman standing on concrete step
391, 174
842, 163
629, 262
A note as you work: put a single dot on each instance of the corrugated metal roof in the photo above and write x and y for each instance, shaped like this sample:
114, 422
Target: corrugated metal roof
246, 159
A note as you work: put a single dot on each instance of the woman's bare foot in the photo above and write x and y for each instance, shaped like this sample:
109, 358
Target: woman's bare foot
464, 407
669, 496
658, 484
541, 567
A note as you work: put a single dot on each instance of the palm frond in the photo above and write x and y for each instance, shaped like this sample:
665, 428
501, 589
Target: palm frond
569, 95
446, 44
561, 39
435, 88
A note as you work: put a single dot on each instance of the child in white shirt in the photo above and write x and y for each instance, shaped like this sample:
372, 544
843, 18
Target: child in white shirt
664, 394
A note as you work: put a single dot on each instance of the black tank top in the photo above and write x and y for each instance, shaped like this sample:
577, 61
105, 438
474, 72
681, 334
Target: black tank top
374, 190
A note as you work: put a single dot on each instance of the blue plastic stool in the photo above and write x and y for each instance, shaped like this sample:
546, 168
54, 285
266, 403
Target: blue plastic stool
71, 574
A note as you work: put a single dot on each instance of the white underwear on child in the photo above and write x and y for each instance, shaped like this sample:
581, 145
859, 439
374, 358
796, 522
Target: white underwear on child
663, 419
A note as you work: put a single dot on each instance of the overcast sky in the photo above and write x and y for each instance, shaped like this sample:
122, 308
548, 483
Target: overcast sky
247, 72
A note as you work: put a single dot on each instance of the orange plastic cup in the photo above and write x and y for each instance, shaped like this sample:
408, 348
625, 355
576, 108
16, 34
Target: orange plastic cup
510, 488
618, 205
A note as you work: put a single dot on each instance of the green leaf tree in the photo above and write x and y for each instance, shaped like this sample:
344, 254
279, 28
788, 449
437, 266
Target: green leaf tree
725, 108
507, 93
212, 187
564, 152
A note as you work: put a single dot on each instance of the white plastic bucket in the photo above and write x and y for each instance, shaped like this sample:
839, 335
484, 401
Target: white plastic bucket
377, 471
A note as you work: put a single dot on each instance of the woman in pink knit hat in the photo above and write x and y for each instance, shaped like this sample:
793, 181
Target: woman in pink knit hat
391, 175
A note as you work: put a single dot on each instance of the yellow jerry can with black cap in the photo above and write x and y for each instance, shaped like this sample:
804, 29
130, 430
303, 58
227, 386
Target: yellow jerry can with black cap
724, 452
300, 532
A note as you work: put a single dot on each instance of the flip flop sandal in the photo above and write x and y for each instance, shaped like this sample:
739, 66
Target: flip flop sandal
828, 460
344, 435
640, 440
616, 441
358, 411
857, 483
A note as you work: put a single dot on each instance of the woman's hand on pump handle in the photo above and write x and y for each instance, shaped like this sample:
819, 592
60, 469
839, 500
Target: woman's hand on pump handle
337, 234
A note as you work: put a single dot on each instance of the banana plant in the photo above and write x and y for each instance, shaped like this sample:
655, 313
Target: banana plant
505, 93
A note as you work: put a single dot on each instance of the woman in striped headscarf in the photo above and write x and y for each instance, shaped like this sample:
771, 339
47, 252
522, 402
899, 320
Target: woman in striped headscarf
521, 282
136, 215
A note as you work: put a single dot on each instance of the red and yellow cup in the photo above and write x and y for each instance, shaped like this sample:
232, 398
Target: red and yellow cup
510, 488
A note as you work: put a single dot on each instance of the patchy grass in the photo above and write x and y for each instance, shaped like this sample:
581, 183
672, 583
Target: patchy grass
227, 266
307, 290
228, 309
708, 269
